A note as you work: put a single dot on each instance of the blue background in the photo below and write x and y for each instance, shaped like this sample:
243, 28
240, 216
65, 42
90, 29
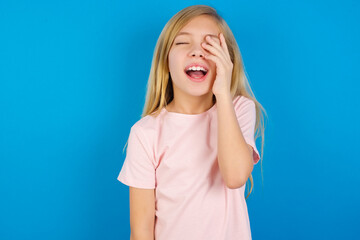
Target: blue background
73, 78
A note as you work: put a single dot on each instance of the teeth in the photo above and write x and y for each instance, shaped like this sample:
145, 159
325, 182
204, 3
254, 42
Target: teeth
196, 69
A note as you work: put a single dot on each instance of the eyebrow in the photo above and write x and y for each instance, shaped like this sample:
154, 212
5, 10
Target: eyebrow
186, 33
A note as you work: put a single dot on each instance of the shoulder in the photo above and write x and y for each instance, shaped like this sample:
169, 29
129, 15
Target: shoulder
241, 102
245, 108
147, 127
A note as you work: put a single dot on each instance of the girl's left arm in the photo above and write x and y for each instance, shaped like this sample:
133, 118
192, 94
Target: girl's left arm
234, 154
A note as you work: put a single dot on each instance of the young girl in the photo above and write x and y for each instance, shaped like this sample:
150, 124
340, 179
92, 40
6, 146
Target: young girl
191, 153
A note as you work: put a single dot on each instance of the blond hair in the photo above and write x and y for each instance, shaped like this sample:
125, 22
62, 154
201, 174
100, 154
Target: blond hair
159, 88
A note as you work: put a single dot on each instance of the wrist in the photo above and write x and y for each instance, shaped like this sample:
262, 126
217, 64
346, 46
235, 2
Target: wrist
223, 97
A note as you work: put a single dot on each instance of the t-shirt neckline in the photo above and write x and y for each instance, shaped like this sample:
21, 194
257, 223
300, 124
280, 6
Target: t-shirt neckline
207, 112
191, 115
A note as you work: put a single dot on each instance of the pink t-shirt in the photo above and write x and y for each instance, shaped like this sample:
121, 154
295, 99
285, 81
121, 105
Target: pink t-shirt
176, 154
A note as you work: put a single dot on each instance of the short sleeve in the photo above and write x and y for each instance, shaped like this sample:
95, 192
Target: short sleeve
246, 116
138, 169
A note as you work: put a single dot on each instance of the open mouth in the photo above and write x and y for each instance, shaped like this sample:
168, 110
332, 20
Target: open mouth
196, 74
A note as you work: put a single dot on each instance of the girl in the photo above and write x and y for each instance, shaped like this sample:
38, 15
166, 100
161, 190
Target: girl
191, 153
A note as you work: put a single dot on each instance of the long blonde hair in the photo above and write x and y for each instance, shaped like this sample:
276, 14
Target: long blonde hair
159, 88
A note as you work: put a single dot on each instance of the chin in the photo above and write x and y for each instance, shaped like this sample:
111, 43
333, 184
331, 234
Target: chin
204, 90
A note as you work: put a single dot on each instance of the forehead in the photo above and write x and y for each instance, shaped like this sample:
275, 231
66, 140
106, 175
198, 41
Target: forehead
200, 25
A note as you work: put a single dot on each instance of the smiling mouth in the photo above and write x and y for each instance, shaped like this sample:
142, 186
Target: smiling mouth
196, 74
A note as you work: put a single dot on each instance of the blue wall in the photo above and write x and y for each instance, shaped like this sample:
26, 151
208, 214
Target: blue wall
70, 69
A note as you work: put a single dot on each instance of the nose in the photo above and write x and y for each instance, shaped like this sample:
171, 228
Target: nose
198, 51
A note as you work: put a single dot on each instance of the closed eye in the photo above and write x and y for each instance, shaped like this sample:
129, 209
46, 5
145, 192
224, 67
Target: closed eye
180, 43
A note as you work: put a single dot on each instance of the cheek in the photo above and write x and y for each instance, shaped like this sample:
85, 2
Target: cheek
174, 60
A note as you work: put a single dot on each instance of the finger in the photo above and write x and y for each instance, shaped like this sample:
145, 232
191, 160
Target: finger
225, 48
214, 59
216, 45
215, 51
223, 44
220, 63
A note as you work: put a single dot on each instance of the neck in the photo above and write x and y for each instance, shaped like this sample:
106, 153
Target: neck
191, 105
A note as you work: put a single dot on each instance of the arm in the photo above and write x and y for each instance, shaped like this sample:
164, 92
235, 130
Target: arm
234, 154
142, 213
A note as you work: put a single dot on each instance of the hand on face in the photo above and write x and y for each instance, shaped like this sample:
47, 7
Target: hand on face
220, 55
